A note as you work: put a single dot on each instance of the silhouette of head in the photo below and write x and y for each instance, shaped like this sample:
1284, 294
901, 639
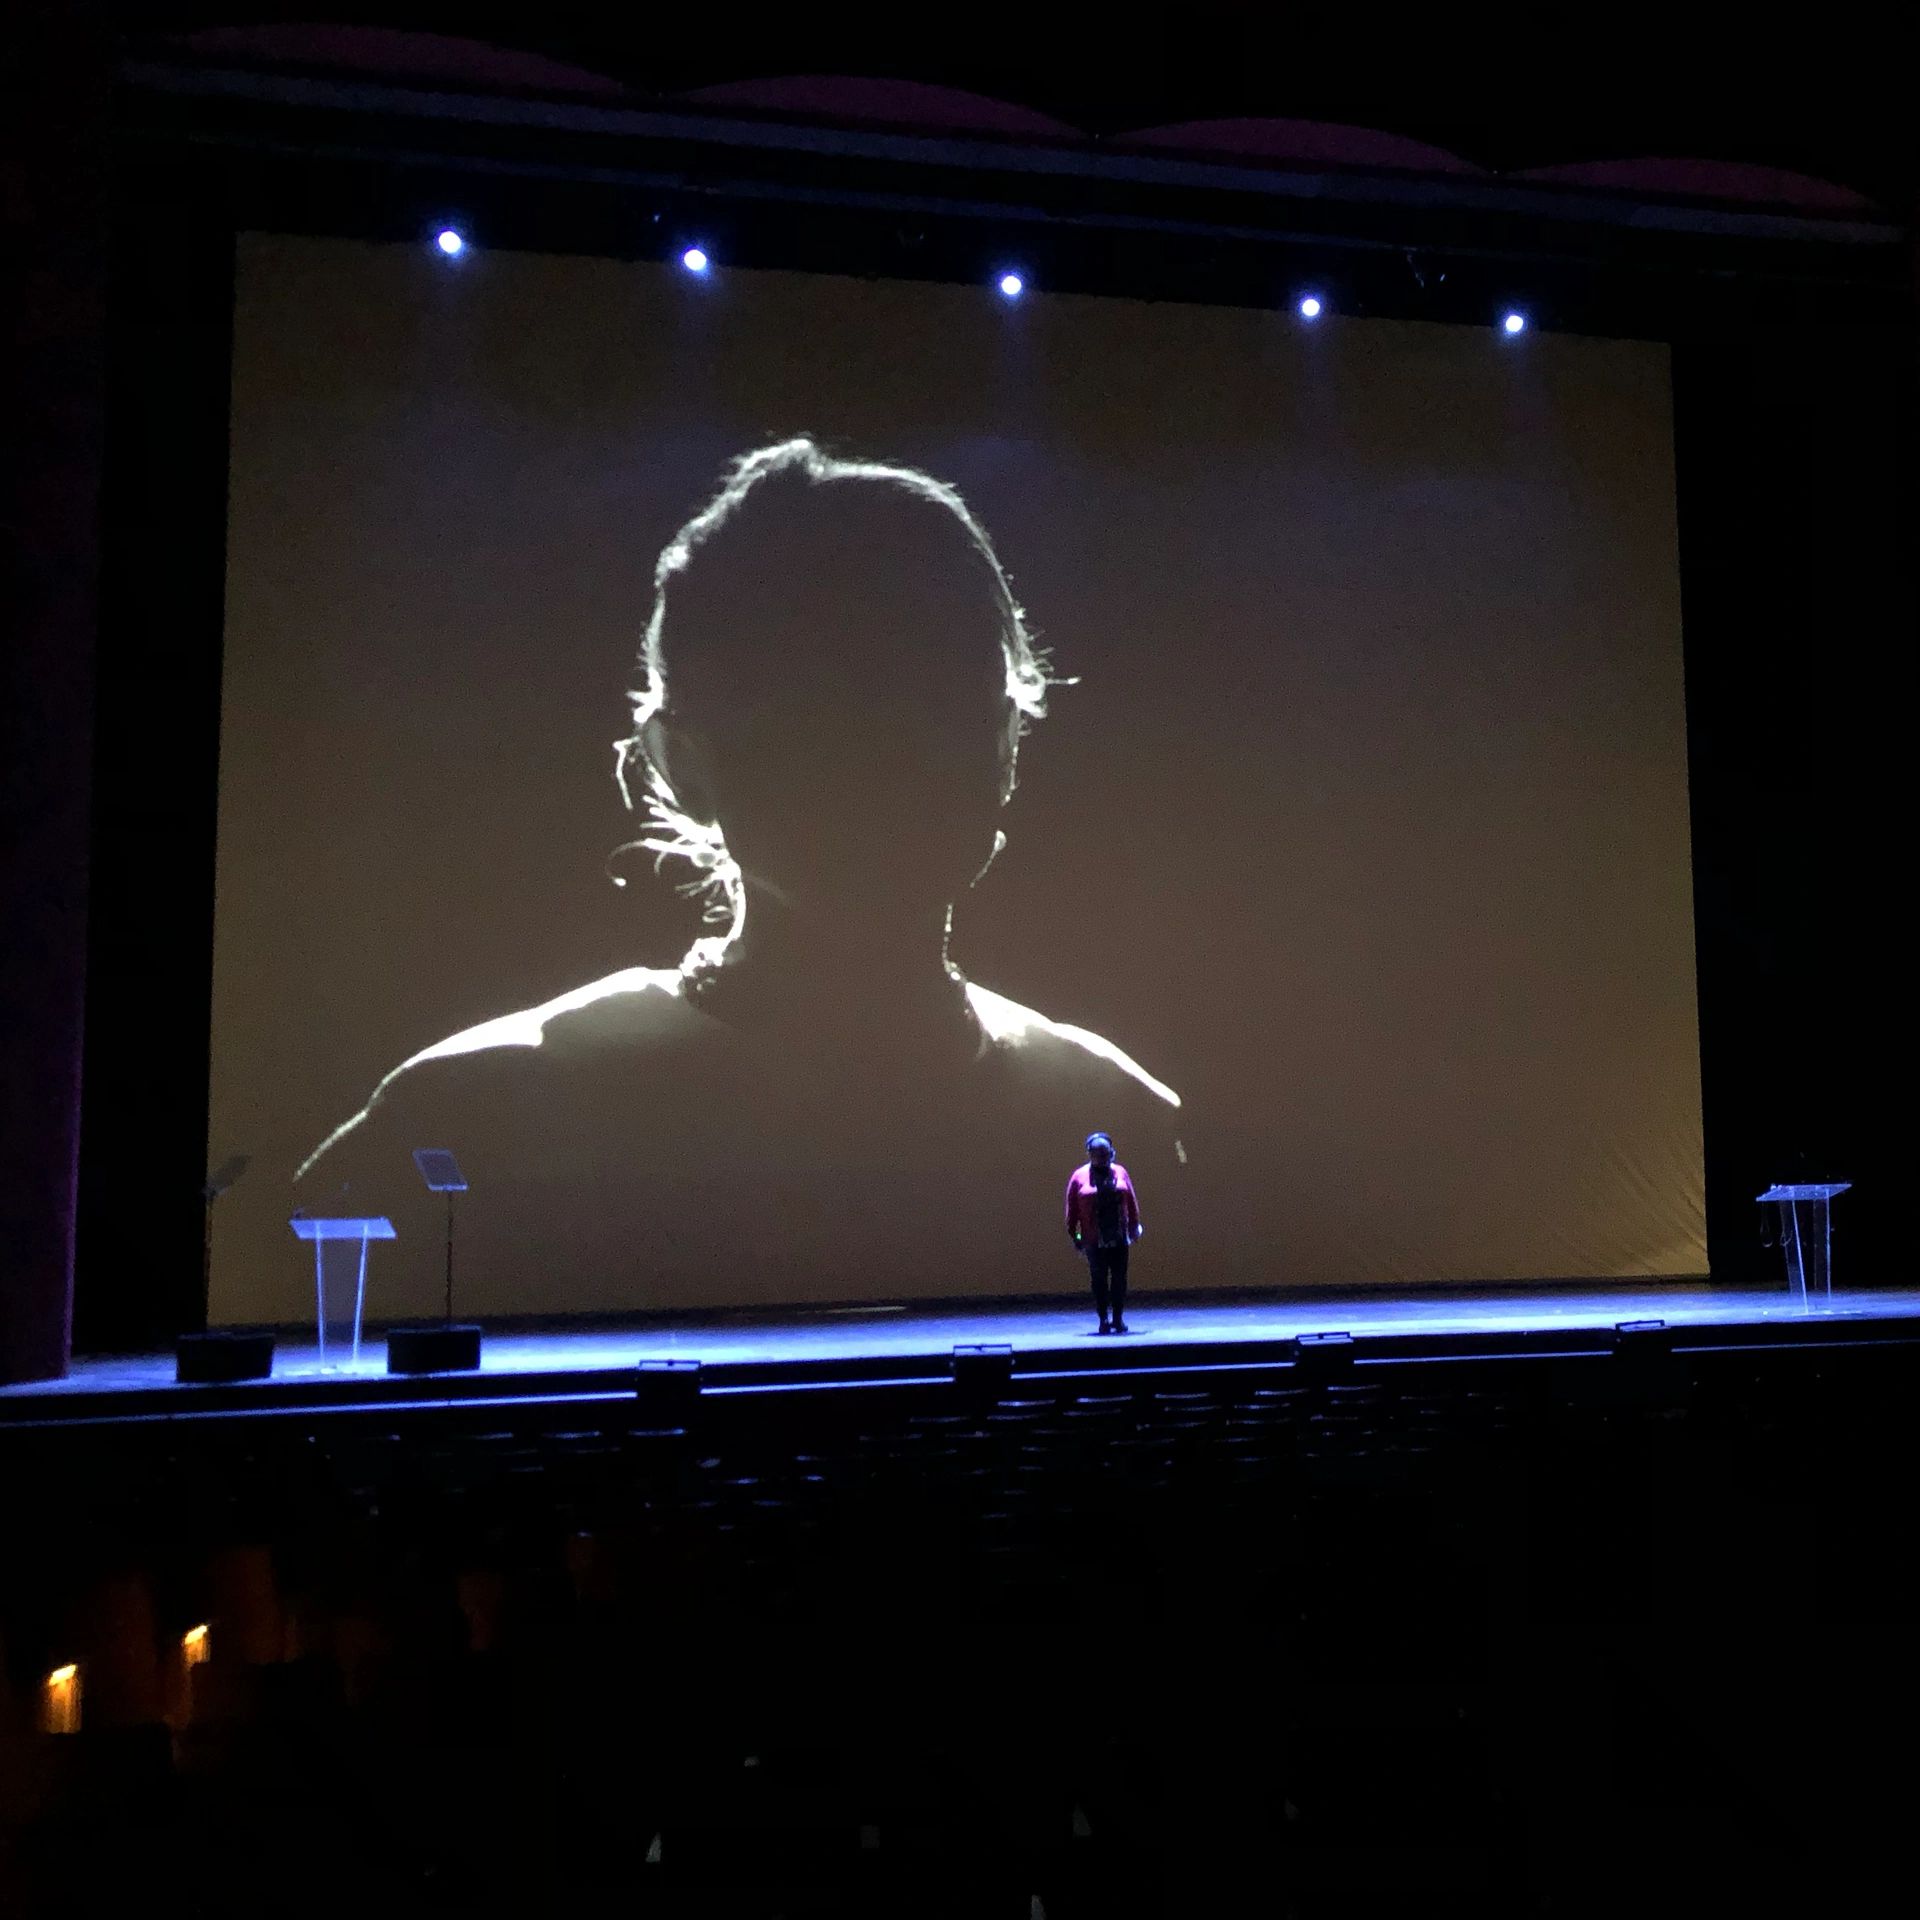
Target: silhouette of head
1099, 1151
834, 683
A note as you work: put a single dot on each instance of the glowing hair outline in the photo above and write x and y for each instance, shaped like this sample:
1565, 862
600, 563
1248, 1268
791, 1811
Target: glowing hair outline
674, 834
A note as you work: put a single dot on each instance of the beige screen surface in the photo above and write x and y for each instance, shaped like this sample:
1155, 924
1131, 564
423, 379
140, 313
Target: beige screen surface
1345, 876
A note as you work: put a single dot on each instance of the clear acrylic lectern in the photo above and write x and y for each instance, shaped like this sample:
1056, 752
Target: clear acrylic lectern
1806, 1238
340, 1278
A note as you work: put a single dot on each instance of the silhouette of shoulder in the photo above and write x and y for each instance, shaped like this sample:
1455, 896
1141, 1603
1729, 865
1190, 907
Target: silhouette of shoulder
1053, 1049
642, 1007
645, 1015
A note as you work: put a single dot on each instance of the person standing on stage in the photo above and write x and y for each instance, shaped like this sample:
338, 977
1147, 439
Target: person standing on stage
1103, 1221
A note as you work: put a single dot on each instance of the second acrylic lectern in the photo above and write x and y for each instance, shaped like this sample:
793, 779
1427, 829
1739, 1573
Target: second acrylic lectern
1806, 1238
340, 1278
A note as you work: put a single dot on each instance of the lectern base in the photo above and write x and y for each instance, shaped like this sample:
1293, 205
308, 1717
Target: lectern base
441, 1348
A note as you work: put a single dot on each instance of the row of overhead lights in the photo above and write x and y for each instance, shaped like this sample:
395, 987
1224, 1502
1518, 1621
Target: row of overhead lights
1010, 285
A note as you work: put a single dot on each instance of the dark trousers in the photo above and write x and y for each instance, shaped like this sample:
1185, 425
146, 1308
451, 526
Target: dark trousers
1108, 1265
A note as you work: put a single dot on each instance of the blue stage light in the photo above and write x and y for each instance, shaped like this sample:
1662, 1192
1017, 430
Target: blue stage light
1012, 286
694, 260
450, 242
1514, 323
1310, 307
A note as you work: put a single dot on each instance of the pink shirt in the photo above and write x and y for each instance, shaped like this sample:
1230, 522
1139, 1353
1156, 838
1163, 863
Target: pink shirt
1083, 1220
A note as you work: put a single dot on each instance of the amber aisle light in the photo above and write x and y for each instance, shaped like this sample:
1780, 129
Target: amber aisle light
60, 1701
193, 1649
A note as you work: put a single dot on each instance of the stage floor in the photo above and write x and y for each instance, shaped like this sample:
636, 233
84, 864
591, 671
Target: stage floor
904, 1341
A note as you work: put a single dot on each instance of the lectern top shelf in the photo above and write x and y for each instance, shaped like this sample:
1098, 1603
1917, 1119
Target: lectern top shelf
1805, 1193
334, 1226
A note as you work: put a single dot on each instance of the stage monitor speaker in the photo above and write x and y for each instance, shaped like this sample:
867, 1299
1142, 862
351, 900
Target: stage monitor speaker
437, 1348
1317, 1355
668, 1389
220, 1358
983, 1370
1645, 1347
1642, 1370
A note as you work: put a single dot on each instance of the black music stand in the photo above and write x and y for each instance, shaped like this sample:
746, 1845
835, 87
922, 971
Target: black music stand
445, 1348
216, 1183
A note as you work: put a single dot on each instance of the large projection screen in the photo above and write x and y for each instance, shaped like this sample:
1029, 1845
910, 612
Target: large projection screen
1319, 685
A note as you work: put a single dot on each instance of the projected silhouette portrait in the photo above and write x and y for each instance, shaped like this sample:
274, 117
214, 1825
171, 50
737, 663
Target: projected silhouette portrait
832, 692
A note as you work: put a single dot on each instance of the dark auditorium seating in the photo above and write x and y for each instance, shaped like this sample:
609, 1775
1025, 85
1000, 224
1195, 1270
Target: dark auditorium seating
1434, 1639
